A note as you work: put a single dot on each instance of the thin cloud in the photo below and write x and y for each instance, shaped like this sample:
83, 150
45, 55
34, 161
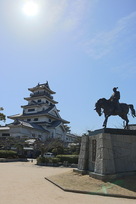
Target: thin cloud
74, 14
103, 43
64, 14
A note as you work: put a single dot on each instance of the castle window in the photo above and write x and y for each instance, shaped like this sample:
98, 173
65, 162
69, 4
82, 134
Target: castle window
5, 134
47, 101
33, 135
35, 119
28, 120
31, 109
39, 101
50, 120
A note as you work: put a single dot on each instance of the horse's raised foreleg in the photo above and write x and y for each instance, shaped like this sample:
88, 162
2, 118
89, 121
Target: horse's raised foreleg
105, 121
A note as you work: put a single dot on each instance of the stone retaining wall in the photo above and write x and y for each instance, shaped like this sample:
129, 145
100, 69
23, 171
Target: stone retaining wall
108, 152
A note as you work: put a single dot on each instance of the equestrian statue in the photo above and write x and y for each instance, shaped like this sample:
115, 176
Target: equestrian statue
113, 107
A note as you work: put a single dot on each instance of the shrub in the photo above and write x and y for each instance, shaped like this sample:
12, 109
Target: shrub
8, 154
41, 160
69, 158
22, 156
55, 160
58, 150
45, 160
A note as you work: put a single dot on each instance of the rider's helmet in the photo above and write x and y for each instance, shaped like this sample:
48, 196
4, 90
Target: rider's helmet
115, 89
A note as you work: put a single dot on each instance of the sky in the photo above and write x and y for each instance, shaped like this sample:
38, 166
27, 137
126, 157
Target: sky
83, 48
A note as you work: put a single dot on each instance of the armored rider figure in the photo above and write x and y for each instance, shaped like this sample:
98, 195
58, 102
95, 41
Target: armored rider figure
115, 98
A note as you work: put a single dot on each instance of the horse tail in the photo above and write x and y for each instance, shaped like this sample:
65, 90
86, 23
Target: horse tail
133, 112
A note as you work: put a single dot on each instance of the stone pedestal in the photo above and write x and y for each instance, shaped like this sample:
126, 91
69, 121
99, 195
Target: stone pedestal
107, 153
83, 158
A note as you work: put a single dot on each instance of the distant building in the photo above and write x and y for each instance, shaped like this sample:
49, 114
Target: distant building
71, 138
132, 127
4, 131
40, 117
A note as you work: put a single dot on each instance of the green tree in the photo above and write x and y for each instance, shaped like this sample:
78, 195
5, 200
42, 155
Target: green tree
2, 116
55, 145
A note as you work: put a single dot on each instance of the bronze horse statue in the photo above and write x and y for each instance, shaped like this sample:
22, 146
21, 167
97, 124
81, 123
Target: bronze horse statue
108, 108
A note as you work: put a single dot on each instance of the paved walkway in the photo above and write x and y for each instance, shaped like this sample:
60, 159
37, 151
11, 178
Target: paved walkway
24, 183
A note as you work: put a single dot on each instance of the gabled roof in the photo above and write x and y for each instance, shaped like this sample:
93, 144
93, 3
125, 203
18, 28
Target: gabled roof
42, 86
41, 112
38, 96
25, 114
33, 104
14, 116
55, 123
28, 125
44, 112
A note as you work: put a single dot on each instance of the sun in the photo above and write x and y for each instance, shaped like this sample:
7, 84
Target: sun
30, 9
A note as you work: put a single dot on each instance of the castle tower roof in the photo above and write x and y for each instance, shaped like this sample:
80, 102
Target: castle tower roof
44, 86
41, 91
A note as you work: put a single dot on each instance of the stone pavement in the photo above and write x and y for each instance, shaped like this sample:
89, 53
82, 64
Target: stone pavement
24, 183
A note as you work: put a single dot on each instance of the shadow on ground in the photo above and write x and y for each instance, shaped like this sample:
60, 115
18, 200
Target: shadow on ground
128, 182
73, 182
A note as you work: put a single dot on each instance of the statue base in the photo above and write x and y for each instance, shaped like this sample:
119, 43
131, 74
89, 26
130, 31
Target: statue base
108, 153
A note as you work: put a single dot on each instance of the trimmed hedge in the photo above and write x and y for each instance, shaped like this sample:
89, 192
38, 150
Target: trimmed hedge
45, 160
55, 160
8, 154
71, 159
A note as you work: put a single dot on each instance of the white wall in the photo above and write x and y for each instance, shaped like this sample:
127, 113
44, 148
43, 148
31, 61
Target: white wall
28, 132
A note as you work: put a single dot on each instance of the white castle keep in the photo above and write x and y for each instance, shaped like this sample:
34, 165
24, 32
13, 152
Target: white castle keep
40, 117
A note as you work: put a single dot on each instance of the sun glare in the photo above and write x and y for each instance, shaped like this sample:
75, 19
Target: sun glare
30, 9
